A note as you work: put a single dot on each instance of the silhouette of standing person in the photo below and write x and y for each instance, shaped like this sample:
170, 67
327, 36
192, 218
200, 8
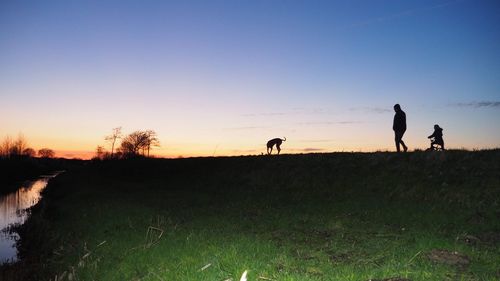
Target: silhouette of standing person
399, 127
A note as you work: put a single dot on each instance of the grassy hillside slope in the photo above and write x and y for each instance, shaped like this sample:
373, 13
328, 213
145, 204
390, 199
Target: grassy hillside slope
340, 216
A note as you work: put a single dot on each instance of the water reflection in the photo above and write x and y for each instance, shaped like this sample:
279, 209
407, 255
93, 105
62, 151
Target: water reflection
13, 211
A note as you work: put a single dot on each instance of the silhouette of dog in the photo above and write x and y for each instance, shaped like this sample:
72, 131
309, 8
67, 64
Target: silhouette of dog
273, 142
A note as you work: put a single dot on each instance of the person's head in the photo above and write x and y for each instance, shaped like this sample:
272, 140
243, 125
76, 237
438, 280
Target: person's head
436, 127
397, 107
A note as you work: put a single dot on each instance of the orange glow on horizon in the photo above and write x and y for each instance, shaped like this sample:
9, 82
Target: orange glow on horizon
243, 143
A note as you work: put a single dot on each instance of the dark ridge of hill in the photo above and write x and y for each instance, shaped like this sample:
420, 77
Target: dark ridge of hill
450, 175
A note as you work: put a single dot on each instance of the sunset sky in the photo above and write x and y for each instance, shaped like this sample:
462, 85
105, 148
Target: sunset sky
223, 77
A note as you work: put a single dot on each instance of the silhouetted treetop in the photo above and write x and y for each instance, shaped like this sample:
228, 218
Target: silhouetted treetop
139, 143
46, 153
116, 134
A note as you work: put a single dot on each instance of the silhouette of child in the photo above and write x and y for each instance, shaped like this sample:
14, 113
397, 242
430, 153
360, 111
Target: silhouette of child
438, 137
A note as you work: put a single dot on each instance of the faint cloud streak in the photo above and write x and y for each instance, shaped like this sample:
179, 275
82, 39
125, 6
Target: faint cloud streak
264, 114
244, 128
293, 111
317, 141
329, 123
378, 110
478, 104
402, 14
307, 149
313, 149
244, 151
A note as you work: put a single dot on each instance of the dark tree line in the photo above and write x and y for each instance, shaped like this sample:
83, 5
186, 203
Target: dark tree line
138, 143
16, 148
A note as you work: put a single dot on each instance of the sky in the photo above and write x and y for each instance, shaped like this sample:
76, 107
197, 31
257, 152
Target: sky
223, 77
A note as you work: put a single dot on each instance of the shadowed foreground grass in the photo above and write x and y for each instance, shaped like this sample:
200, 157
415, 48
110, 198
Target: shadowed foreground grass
342, 216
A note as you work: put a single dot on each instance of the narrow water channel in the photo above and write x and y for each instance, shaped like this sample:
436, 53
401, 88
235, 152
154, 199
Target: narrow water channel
13, 210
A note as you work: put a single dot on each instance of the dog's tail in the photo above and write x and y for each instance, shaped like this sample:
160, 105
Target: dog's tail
283, 139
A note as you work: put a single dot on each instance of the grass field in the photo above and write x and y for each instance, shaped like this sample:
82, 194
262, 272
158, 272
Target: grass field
340, 216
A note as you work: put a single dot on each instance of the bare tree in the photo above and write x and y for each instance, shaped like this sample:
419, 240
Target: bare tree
6, 147
134, 142
116, 134
139, 141
29, 152
100, 152
152, 140
46, 153
19, 145
13, 148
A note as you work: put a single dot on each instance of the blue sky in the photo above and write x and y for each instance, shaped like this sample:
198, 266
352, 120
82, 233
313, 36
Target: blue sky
224, 76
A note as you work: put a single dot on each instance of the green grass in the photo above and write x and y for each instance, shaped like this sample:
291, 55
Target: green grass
342, 216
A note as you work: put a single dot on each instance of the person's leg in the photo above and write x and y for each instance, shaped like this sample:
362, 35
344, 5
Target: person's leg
442, 144
397, 139
405, 148
402, 142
